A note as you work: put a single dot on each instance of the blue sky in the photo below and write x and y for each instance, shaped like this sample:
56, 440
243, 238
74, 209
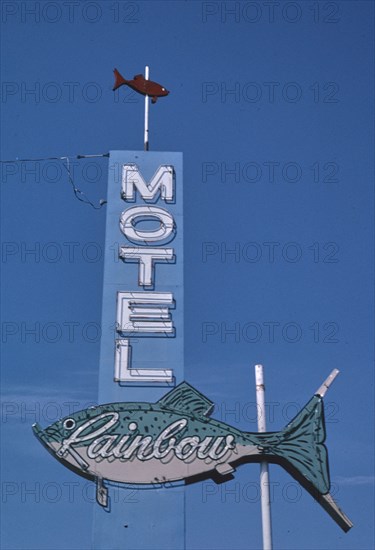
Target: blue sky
272, 110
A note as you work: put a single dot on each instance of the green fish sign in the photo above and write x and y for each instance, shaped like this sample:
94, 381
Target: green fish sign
175, 439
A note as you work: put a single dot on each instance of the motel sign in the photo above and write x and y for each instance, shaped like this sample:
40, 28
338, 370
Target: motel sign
141, 352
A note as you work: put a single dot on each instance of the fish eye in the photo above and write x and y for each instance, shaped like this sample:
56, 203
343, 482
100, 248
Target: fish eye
69, 424
163, 89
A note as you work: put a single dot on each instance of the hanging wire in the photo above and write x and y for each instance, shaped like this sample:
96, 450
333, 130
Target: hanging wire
56, 158
80, 195
13, 161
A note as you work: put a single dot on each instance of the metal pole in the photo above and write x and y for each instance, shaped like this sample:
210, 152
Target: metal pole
264, 476
147, 104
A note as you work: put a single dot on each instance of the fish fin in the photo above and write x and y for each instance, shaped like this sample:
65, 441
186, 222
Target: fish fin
154, 99
224, 469
138, 76
101, 493
119, 80
186, 399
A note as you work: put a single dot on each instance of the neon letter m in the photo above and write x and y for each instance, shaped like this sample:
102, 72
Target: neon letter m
162, 181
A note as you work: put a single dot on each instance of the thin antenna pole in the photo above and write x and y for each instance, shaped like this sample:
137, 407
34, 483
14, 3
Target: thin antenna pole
147, 104
264, 475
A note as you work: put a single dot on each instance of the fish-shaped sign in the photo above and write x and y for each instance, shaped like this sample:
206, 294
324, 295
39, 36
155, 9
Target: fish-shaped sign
175, 439
141, 85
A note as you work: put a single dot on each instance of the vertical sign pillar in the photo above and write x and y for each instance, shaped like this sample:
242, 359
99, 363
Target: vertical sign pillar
142, 331
264, 475
147, 107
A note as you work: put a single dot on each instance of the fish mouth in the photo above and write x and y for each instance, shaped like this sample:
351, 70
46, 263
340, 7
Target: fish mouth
45, 437
50, 439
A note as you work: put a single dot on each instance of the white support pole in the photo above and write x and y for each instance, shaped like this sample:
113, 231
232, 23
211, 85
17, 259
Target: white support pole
147, 104
264, 475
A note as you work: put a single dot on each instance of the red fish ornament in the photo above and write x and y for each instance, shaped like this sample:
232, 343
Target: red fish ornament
141, 85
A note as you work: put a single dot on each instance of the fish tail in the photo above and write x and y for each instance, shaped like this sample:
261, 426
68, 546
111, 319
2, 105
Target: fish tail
119, 80
301, 450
